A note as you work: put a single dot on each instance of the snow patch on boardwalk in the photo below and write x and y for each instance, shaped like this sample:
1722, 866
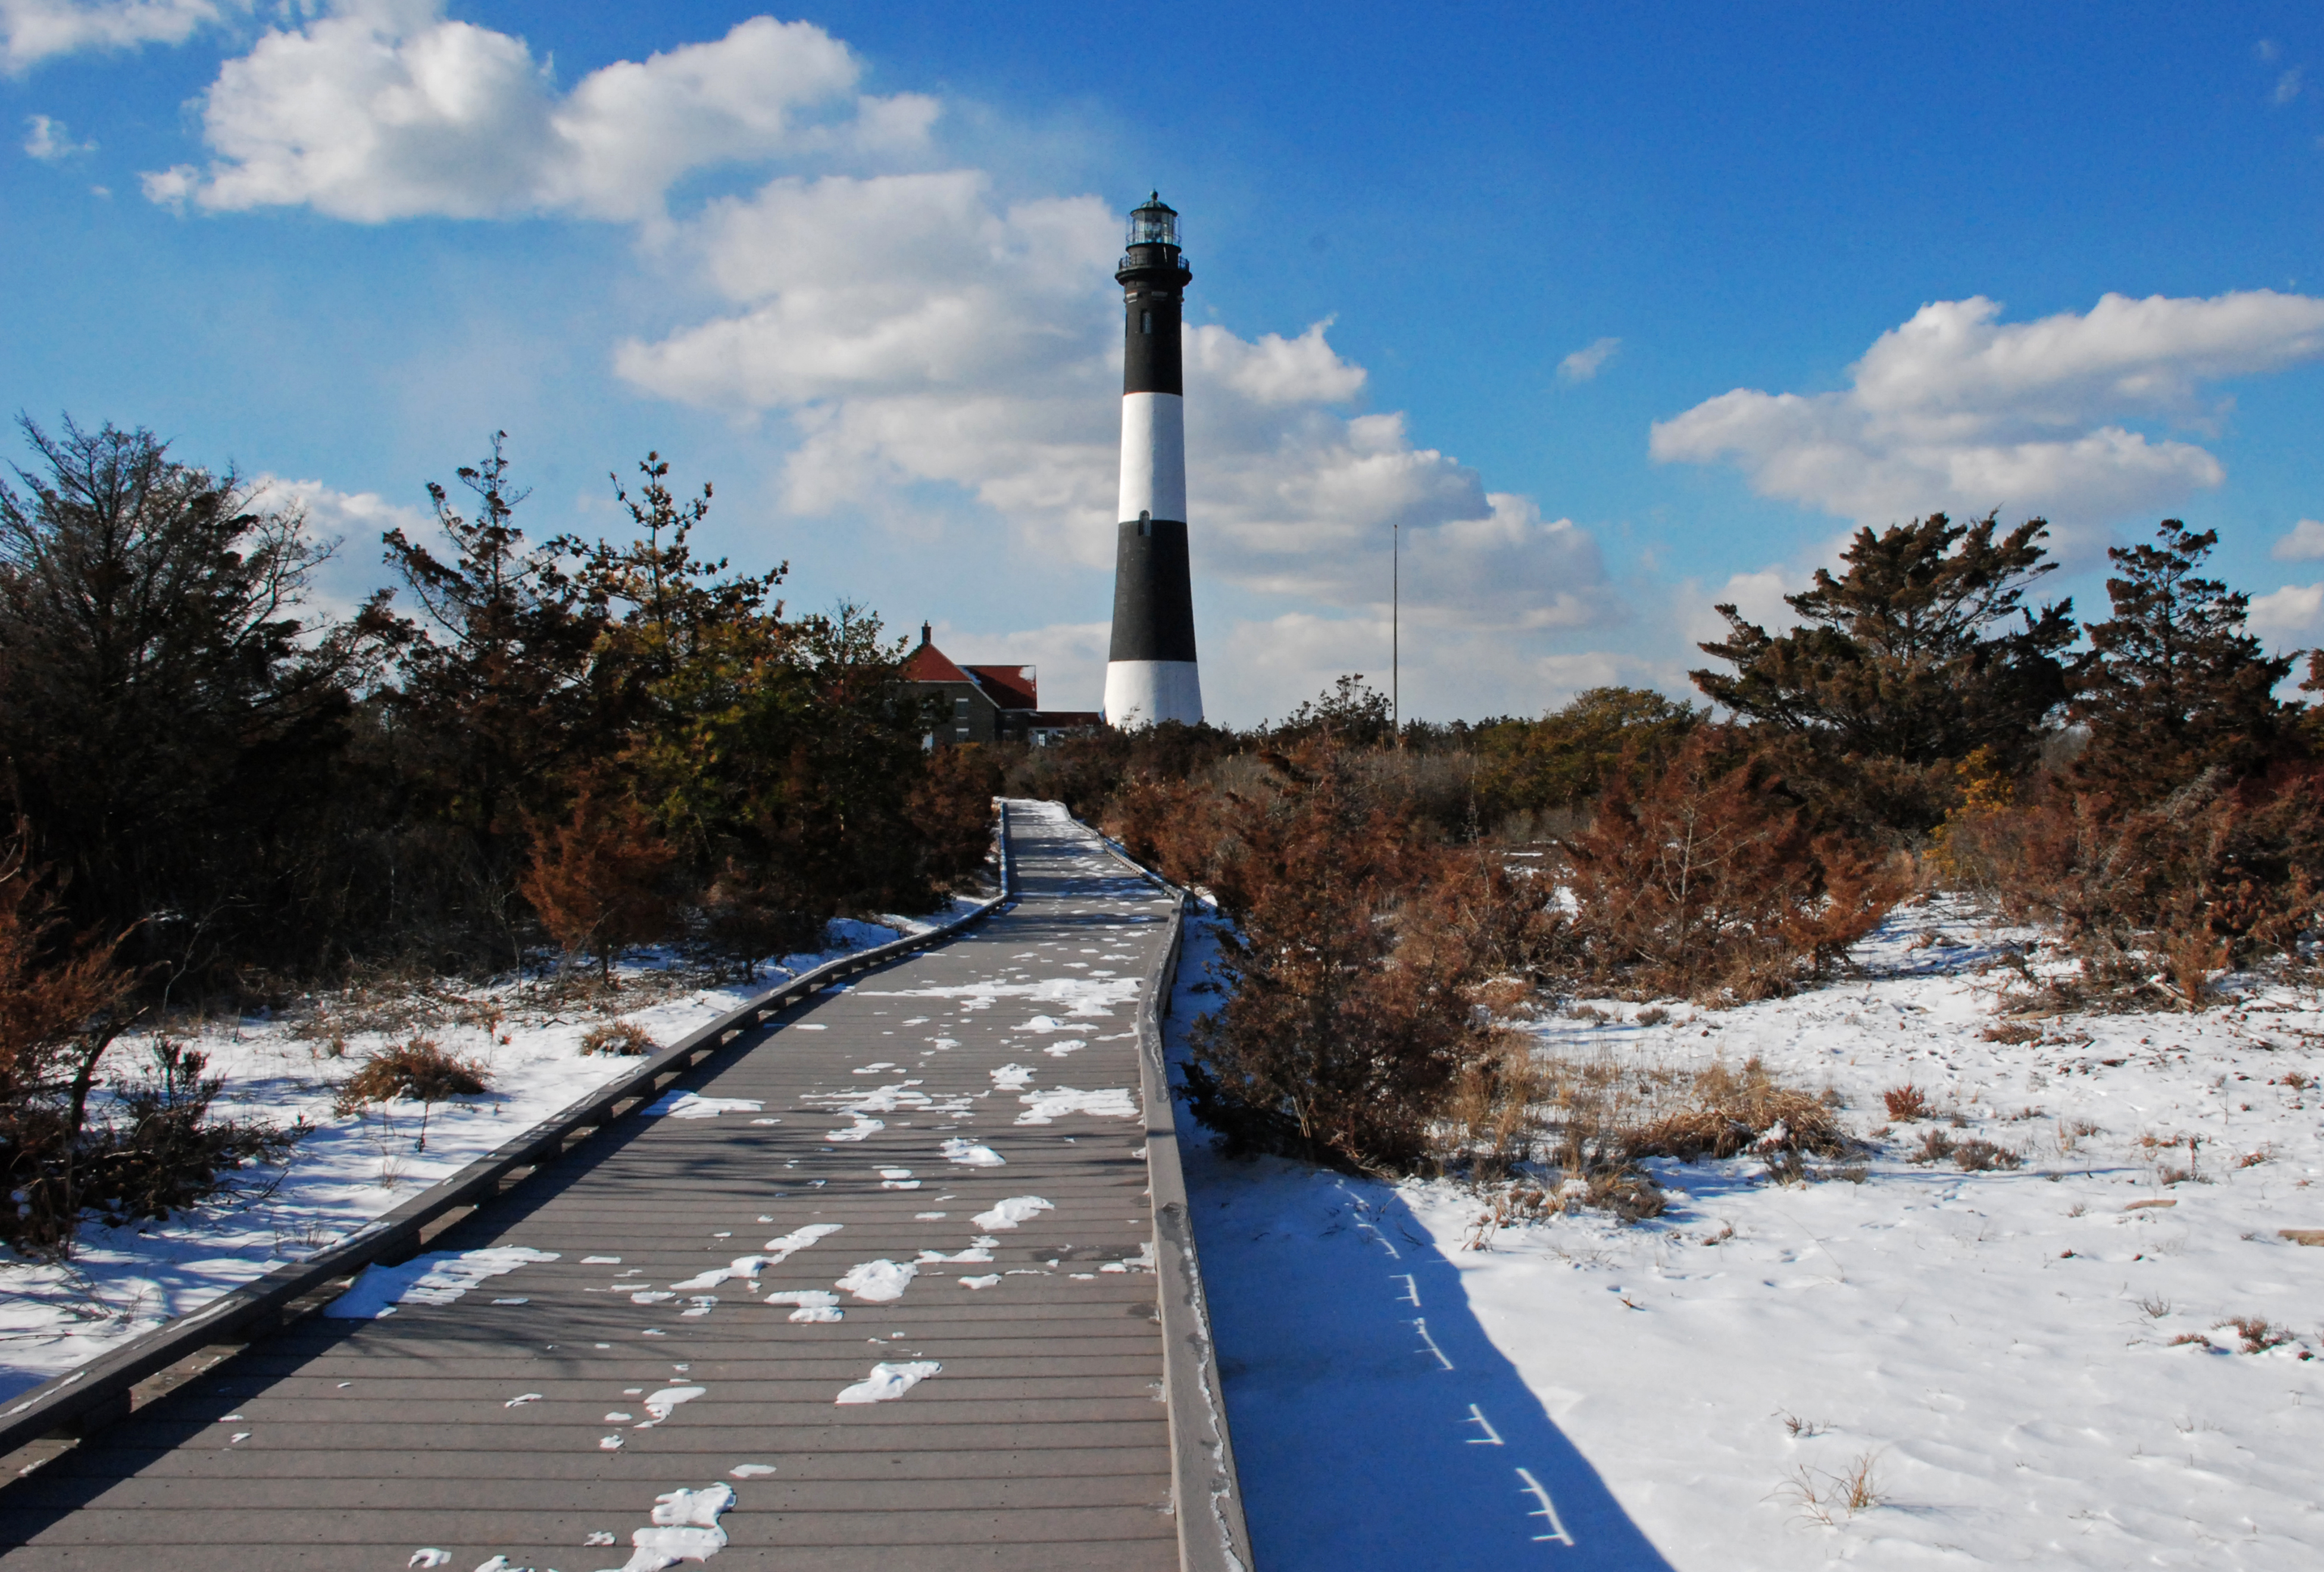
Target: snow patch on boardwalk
1046, 1107
879, 1281
1010, 1213
782, 1250
435, 1279
684, 1528
693, 1105
887, 1383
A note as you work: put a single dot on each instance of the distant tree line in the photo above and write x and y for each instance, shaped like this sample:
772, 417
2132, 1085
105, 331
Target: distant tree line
597, 741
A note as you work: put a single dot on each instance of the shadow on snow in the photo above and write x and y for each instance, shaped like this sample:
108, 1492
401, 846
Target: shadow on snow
1374, 1424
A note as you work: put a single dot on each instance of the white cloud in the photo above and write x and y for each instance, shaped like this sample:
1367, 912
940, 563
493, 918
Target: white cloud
1588, 361
387, 110
1509, 570
355, 517
940, 353
32, 31
2293, 612
1955, 410
356, 520
2304, 544
2288, 85
50, 142
915, 329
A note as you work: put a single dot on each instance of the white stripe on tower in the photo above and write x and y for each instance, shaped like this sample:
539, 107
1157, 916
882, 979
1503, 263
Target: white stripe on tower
1150, 674
1154, 455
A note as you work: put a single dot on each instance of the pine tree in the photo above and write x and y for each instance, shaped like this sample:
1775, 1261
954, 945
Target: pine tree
2176, 686
495, 710
1924, 650
169, 719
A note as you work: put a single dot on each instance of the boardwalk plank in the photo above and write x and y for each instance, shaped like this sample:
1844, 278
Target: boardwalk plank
1040, 1442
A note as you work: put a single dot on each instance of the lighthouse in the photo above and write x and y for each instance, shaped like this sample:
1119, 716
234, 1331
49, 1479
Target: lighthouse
1150, 673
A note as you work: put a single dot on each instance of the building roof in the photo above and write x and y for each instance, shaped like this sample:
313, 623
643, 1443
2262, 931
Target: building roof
1010, 687
929, 664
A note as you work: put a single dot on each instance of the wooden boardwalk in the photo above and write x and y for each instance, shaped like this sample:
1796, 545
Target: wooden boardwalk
518, 1420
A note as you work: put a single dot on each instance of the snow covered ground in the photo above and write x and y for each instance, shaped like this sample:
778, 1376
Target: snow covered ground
120, 1281
2035, 1362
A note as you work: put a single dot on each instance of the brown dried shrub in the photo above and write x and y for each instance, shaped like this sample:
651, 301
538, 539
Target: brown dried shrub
1735, 1111
1977, 1155
952, 810
61, 1004
418, 1069
2257, 1332
625, 1038
1906, 1103
1702, 880
2155, 899
596, 879
1359, 945
1936, 1145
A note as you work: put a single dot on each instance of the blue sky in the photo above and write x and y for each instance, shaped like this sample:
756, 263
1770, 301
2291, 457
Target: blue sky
1620, 312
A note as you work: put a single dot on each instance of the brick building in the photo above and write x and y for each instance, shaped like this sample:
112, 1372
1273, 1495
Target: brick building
987, 703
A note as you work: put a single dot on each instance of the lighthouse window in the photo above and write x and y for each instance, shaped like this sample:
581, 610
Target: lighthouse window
1146, 321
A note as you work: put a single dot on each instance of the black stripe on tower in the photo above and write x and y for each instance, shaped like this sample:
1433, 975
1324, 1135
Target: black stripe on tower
1153, 280
1153, 593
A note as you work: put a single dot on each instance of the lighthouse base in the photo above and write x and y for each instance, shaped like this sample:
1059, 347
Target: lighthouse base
1149, 693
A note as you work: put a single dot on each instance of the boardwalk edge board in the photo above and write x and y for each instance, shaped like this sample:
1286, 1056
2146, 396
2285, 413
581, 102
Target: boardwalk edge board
81, 1402
1211, 1537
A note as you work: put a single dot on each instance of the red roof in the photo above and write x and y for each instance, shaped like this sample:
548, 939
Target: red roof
1011, 686
929, 664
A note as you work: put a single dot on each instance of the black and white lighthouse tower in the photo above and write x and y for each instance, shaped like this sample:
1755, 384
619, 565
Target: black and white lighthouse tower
1150, 673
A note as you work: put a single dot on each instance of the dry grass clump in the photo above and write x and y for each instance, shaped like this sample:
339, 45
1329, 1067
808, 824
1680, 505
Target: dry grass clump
2257, 1334
1830, 1498
1906, 1103
1568, 1132
1734, 1111
1977, 1155
624, 1038
1972, 1153
418, 1069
